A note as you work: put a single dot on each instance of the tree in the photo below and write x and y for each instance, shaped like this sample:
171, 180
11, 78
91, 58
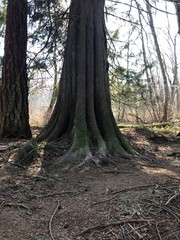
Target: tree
83, 111
161, 64
48, 33
177, 6
2, 26
151, 97
55, 84
14, 118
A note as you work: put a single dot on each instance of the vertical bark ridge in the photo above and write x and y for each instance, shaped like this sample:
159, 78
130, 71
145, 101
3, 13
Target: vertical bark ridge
14, 117
62, 118
103, 109
90, 81
89, 116
80, 123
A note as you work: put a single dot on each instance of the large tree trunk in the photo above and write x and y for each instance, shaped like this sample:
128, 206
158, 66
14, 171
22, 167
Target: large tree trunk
83, 108
14, 118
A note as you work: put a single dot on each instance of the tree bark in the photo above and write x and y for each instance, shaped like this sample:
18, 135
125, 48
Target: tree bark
159, 56
14, 118
177, 6
83, 109
175, 86
55, 83
151, 95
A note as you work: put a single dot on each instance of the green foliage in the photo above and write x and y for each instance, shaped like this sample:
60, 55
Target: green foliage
127, 86
171, 128
115, 35
47, 31
2, 14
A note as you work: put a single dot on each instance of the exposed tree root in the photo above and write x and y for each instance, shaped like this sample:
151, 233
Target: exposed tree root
83, 108
82, 155
76, 159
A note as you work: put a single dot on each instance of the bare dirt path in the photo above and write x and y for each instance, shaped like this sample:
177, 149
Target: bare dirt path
137, 199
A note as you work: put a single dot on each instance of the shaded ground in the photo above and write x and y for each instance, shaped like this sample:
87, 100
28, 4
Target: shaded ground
137, 199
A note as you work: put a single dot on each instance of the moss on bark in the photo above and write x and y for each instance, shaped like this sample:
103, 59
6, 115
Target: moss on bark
83, 109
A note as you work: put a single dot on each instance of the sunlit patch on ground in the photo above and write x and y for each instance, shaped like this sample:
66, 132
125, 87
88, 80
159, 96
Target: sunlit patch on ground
160, 171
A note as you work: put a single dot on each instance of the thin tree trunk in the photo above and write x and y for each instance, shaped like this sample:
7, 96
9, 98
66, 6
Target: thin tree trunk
176, 83
151, 96
55, 88
165, 80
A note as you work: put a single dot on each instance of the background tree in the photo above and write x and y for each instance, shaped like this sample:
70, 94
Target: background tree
132, 50
14, 118
153, 105
159, 56
83, 109
47, 34
2, 27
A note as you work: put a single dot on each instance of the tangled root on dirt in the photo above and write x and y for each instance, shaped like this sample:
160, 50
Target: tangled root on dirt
82, 158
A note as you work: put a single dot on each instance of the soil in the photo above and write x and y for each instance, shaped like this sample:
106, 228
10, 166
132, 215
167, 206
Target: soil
128, 199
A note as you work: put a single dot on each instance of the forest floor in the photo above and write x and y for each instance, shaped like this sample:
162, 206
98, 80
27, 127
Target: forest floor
131, 199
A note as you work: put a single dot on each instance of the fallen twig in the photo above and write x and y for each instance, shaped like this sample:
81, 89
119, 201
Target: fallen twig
16, 165
119, 172
172, 198
51, 219
171, 234
21, 205
135, 231
176, 215
62, 193
55, 194
175, 178
115, 193
171, 212
134, 188
159, 235
115, 224
103, 201
137, 228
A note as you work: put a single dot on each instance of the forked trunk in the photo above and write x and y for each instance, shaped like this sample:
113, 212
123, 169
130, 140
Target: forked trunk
83, 108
